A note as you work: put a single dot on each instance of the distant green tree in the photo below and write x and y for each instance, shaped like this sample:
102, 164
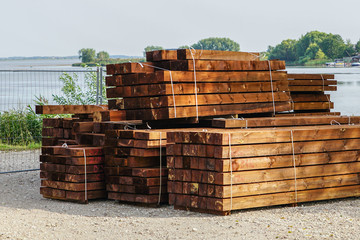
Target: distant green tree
87, 55
312, 50
304, 42
283, 51
357, 47
102, 56
333, 46
320, 55
215, 43
184, 47
152, 48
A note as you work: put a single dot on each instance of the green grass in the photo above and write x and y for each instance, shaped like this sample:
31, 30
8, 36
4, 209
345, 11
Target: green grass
30, 146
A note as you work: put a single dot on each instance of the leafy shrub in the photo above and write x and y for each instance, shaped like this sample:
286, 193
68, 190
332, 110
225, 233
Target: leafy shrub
73, 94
20, 127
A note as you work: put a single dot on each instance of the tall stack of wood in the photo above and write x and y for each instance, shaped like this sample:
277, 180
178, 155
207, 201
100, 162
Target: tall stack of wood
183, 84
135, 166
218, 171
308, 92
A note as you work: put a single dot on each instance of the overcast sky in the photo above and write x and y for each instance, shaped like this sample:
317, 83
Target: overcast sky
62, 27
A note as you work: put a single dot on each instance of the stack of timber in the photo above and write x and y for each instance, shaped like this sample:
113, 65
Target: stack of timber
135, 166
72, 158
183, 84
308, 92
74, 173
220, 170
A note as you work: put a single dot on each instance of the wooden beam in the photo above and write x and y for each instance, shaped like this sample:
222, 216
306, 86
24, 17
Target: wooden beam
68, 109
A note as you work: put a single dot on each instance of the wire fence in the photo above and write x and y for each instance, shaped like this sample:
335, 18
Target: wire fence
20, 91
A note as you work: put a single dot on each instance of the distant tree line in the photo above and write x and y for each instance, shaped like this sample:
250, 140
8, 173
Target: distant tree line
88, 55
313, 47
212, 43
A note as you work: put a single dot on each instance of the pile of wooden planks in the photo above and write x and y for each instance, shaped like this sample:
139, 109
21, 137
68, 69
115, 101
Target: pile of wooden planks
183, 84
135, 166
72, 158
74, 173
308, 92
163, 138
217, 171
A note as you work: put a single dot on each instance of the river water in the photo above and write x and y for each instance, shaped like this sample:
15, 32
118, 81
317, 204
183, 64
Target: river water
18, 90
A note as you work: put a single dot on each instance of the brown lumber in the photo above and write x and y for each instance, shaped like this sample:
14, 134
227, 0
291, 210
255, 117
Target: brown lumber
111, 115
188, 76
311, 88
63, 159
285, 185
161, 55
72, 196
251, 163
138, 189
50, 167
189, 88
68, 109
312, 113
312, 82
310, 76
313, 105
184, 54
205, 111
220, 65
277, 174
138, 198
130, 180
208, 99
284, 198
285, 121
305, 97
66, 177
126, 68
278, 148
73, 186
264, 135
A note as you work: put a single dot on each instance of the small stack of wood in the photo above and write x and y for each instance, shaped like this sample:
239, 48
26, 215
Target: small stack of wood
135, 166
72, 157
73, 173
217, 171
182, 84
308, 92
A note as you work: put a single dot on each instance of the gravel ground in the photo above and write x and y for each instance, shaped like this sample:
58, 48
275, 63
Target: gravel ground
19, 160
25, 214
